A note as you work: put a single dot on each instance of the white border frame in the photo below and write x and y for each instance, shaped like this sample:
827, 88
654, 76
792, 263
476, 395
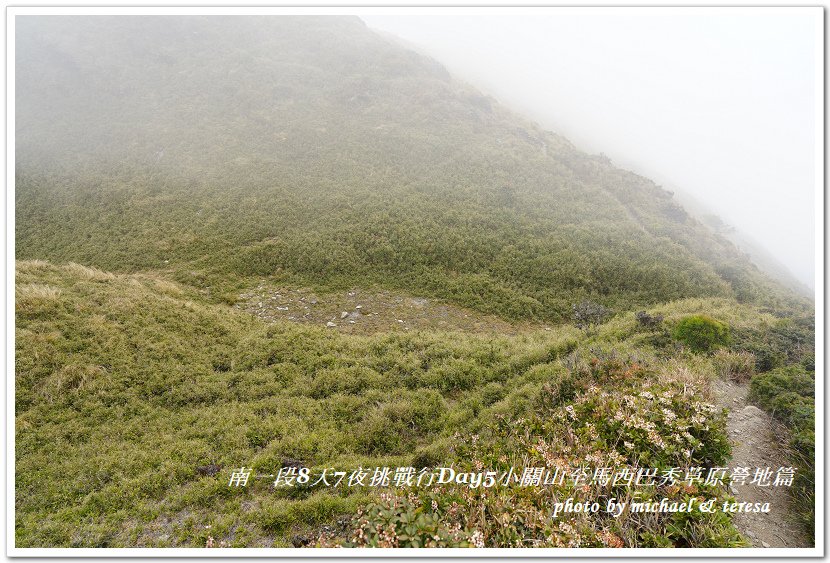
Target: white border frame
12, 551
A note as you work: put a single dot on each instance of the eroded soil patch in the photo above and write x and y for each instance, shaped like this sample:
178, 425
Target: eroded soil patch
367, 312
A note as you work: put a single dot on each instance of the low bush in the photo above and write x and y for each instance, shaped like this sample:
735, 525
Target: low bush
588, 314
648, 321
701, 333
765, 387
788, 341
399, 521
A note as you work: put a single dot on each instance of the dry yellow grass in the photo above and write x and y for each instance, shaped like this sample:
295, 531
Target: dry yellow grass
737, 366
691, 375
87, 272
167, 287
71, 377
32, 265
31, 296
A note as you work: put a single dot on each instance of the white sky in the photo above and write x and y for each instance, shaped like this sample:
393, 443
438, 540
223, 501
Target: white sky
720, 104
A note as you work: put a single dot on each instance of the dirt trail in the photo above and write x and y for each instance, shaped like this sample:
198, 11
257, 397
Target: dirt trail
757, 442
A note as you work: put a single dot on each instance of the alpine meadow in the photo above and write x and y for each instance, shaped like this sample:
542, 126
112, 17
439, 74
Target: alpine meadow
291, 247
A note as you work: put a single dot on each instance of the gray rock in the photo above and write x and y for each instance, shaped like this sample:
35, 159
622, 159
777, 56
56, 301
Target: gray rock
344, 314
330, 324
300, 541
751, 410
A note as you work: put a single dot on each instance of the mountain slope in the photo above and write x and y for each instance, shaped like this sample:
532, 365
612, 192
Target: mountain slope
275, 163
135, 401
313, 151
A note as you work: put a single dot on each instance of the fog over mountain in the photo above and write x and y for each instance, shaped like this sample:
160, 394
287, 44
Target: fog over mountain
717, 104
319, 151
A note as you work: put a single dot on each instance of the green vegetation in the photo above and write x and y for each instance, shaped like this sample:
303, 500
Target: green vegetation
169, 182
313, 152
701, 333
587, 315
788, 340
520, 516
194, 384
789, 394
784, 357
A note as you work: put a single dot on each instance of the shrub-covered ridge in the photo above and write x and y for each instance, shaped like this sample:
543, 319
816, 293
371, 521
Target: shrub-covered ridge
197, 386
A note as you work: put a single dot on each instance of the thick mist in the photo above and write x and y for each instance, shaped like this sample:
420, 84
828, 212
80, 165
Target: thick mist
718, 105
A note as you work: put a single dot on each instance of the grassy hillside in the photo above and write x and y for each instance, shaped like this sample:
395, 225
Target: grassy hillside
197, 197
315, 152
130, 387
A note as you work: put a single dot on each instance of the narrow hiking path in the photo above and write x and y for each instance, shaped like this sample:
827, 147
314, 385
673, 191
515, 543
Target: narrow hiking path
757, 442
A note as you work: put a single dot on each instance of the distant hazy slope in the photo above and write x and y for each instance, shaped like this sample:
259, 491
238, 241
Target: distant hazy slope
313, 149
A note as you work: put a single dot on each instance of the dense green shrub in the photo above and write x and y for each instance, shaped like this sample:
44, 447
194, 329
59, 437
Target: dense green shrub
788, 341
766, 386
394, 427
788, 394
701, 333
